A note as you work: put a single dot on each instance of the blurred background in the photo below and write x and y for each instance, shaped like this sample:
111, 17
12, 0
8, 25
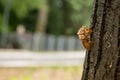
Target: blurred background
38, 39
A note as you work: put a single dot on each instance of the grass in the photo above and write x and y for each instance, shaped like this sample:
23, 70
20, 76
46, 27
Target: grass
41, 73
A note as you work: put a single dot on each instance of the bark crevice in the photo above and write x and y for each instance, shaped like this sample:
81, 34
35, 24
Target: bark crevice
117, 71
87, 61
100, 39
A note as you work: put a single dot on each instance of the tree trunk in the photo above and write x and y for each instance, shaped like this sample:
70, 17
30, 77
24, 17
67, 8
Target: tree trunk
42, 19
103, 60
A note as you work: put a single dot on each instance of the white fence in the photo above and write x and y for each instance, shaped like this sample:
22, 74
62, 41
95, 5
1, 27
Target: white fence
39, 42
50, 43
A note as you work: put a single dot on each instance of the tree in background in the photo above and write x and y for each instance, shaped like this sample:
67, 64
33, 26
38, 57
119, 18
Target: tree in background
103, 60
42, 17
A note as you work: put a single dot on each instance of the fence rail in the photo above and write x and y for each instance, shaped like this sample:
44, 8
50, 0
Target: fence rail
27, 58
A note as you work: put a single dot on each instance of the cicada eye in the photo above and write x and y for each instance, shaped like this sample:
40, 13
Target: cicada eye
87, 30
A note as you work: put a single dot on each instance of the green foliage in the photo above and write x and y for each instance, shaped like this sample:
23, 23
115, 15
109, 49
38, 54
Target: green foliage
20, 11
22, 7
55, 21
81, 11
61, 19
0, 22
66, 16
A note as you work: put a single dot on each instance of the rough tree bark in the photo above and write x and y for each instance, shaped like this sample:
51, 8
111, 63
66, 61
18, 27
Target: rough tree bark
103, 60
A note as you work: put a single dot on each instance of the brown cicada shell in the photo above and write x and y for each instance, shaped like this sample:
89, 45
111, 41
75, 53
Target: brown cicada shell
84, 36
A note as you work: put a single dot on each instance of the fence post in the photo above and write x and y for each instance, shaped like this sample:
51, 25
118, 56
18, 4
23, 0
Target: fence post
51, 40
38, 42
60, 43
71, 43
